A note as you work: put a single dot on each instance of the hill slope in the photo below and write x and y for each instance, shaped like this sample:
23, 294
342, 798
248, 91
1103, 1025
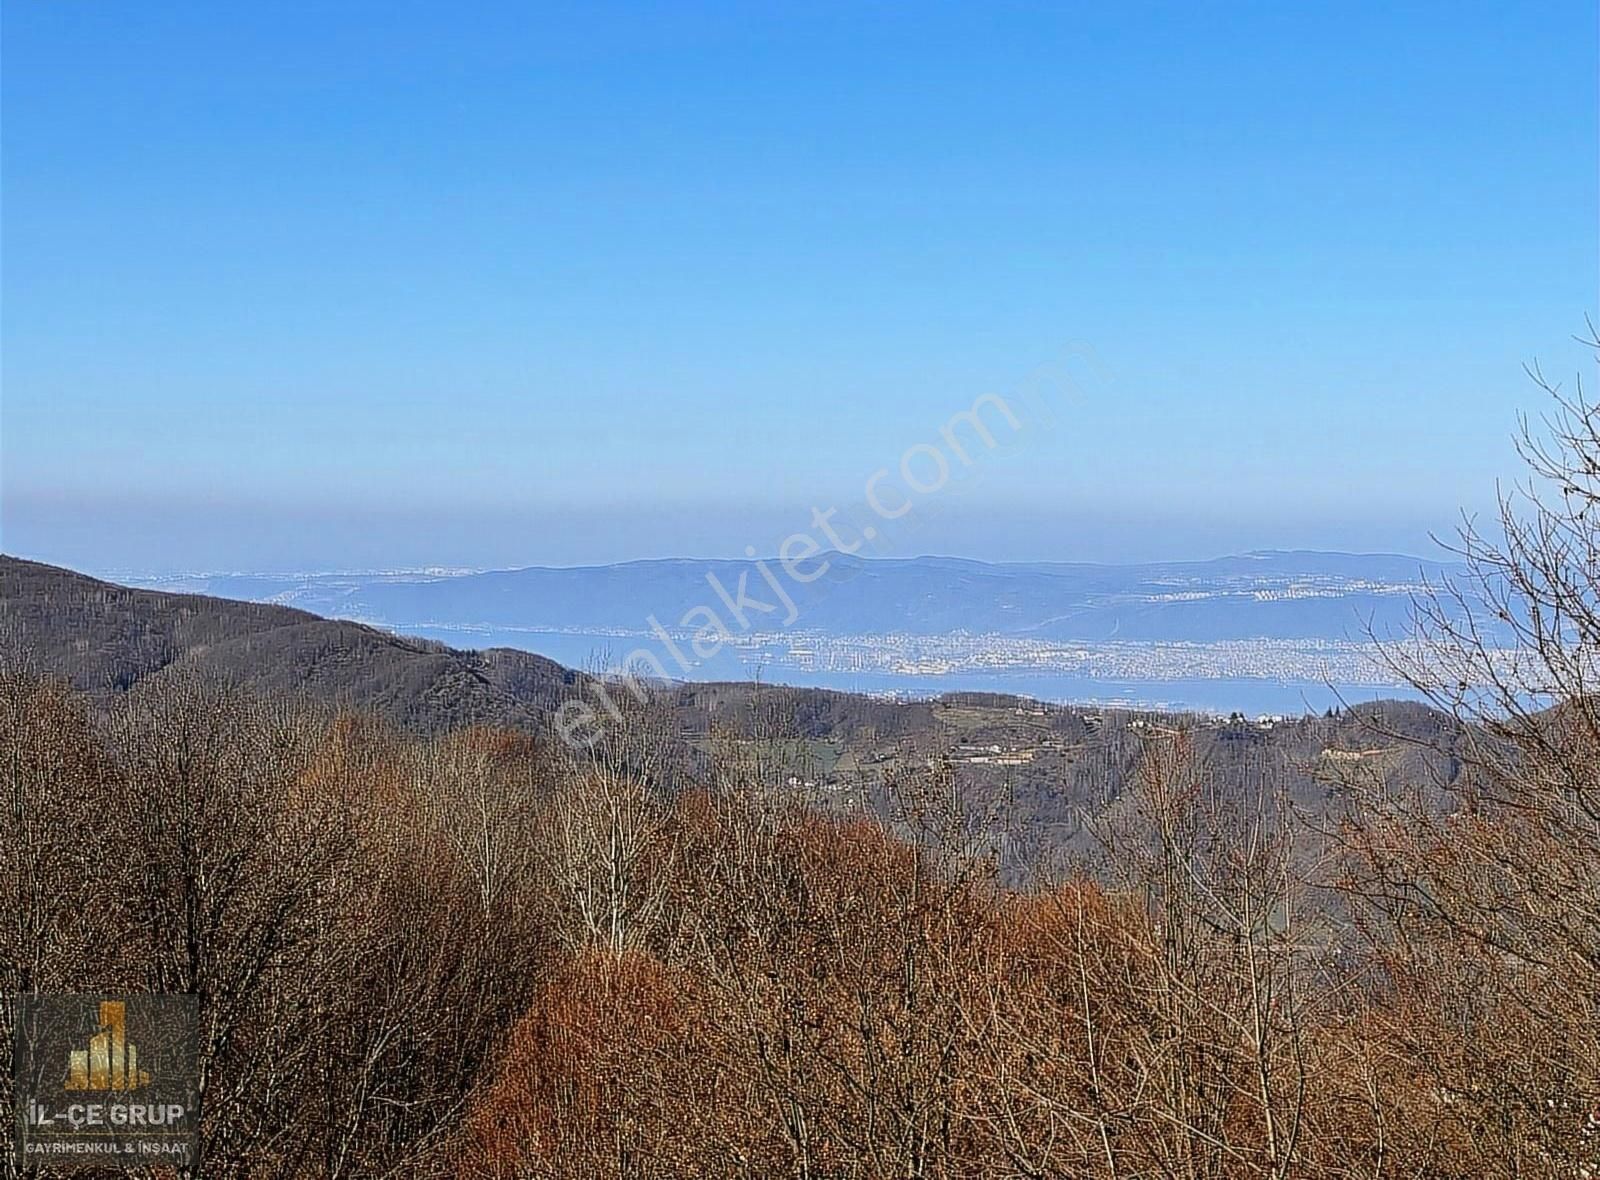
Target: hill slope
105, 638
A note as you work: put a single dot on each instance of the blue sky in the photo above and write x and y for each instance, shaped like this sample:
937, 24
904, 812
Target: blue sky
299, 285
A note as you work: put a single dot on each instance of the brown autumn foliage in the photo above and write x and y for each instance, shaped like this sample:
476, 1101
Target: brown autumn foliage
578, 1088
563, 972
480, 954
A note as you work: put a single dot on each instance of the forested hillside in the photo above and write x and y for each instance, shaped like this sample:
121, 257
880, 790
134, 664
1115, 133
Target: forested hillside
1045, 776
105, 638
479, 954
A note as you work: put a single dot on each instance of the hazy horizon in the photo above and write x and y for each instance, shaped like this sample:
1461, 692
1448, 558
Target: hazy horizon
129, 554
437, 569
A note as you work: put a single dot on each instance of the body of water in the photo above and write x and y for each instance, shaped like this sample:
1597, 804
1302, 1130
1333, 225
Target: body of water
1251, 695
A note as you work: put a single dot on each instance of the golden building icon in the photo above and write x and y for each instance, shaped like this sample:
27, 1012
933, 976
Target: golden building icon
110, 1062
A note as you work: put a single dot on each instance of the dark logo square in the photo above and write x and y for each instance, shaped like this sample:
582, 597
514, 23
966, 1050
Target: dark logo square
106, 1081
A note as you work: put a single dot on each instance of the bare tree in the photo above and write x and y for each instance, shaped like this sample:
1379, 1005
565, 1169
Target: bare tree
1484, 893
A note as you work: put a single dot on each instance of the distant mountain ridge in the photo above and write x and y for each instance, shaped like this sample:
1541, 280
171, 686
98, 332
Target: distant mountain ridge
1268, 595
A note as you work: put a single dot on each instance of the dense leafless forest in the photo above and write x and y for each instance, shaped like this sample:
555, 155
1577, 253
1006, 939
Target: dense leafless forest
479, 953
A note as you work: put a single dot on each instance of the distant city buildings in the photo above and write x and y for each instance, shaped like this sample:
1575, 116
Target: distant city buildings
897, 654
